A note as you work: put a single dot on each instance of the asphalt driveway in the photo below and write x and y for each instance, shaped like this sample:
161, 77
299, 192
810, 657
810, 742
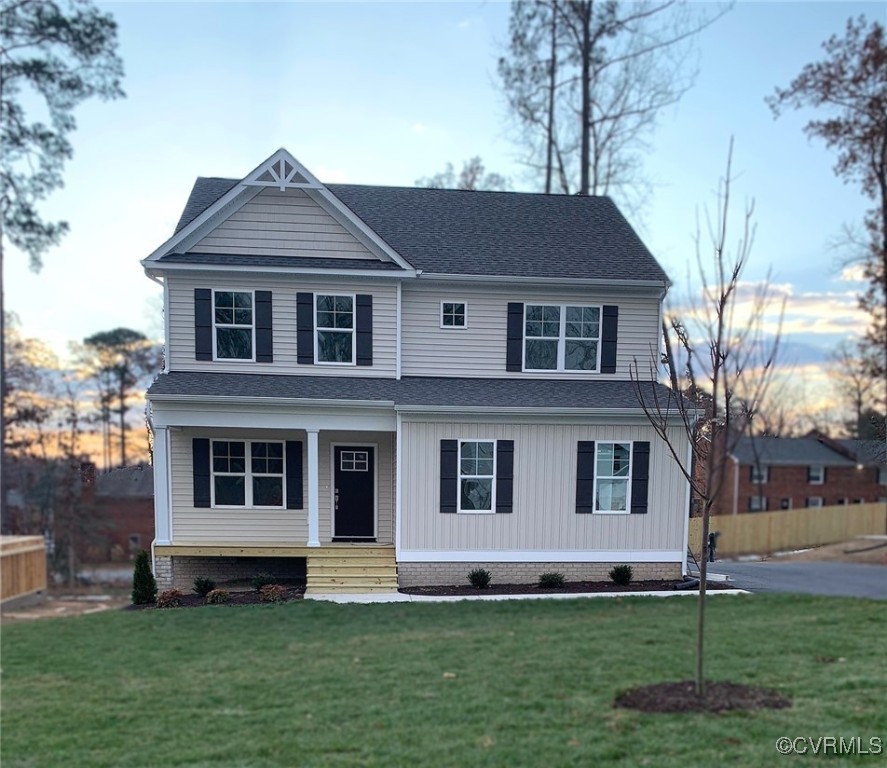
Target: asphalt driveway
810, 578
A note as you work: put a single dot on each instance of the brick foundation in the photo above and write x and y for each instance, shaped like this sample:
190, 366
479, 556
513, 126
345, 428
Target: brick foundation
442, 574
180, 572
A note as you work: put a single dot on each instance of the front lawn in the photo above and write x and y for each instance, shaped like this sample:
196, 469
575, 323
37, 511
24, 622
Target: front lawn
524, 683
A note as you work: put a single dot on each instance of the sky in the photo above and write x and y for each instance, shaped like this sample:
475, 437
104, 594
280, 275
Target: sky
386, 93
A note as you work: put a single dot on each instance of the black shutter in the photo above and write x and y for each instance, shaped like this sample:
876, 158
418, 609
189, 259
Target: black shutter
609, 332
751, 474
824, 475
305, 328
585, 477
504, 476
515, 337
293, 474
449, 478
200, 460
203, 324
264, 332
364, 329
640, 476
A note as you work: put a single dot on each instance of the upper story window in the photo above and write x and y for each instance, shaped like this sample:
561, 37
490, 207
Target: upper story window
335, 328
760, 474
233, 325
816, 474
453, 314
559, 337
247, 473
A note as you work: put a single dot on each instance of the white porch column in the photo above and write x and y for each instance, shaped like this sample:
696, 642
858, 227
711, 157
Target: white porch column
313, 490
162, 509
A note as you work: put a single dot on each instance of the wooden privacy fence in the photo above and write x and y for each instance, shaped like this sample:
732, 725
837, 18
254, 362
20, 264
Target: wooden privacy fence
759, 533
22, 566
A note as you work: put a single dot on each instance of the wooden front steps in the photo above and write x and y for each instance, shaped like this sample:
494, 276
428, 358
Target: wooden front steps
351, 570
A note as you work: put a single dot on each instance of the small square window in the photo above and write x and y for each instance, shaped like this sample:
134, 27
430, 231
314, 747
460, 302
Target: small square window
785, 503
354, 461
453, 314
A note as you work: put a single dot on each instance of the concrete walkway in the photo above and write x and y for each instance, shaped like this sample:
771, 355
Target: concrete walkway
400, 597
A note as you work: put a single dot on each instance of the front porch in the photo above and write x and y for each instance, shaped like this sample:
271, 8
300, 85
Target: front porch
329, 569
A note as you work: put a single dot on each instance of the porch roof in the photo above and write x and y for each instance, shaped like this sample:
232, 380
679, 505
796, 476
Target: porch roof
413, 391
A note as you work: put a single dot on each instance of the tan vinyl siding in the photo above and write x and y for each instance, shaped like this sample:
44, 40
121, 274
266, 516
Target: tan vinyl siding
279, 526
479, 349
544, 516
284, 290
287, 223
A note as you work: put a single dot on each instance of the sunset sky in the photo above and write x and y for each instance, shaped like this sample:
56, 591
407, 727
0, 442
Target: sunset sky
385, 93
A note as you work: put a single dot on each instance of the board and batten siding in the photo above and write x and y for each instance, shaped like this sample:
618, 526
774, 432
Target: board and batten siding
544, 516
191, 525
479, 349
283, 289
287, 223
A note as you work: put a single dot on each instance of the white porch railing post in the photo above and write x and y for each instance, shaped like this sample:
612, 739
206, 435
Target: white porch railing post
162, 526
313, 490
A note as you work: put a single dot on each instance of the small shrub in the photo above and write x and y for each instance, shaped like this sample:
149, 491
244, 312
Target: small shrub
480, 578
144, 586
551, 580
172, 598
621, 575
203, 586
272, 593
262, 579
217, 596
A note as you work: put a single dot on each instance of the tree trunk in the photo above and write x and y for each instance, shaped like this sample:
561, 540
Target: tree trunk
552, 79
122, 396
585, 152
700, 614
4, 477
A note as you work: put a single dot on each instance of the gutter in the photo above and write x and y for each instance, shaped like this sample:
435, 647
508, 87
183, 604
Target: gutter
159, 266
276, 401
618, 283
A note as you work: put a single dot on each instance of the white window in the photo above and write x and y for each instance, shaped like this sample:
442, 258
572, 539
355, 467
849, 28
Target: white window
477, 475
335, 329
453, 314
759, 474
814, 501
247, 473
233, 325
612, 475
882, 475
561, 337
757, 503
816, 474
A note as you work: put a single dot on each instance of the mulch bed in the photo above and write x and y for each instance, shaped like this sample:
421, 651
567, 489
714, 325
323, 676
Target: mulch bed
236, 597
570, 587
681, 697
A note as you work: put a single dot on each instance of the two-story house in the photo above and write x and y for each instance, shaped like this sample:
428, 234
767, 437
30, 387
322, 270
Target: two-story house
393, 386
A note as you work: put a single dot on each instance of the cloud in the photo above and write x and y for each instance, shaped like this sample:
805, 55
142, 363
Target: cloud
853, 273
419, 127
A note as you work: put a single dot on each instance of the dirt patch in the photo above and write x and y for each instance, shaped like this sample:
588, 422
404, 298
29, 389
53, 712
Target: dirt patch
571, 587
867, 551
682, 697
62, 607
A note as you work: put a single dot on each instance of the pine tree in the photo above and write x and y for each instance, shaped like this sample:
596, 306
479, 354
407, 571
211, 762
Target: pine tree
144, 586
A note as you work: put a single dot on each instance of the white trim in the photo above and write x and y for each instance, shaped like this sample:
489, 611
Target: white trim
162, 505
562, 338
398, 335
539, 556
353, 329
464, 304
313, 489
492, 477
281, 176
398, 485
334, 468
166, 327
252, 327
247, 473
254, 269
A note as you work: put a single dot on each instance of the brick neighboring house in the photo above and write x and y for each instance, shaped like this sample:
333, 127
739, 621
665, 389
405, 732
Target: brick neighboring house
123, 500
773, 473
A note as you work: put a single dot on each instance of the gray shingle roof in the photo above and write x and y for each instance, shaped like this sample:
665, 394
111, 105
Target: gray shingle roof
416, 391
461, 232
126, 483
799, 451
867, 451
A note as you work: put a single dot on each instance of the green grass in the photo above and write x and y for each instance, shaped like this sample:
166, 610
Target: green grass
526, 684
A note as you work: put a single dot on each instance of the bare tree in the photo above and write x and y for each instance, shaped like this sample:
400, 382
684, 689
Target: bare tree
472, 176
719, 364
855, 386
585, 82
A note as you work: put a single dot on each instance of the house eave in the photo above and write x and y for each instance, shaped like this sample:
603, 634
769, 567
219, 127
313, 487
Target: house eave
152, 268
274, 402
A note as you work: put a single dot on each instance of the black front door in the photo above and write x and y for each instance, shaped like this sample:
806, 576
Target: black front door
354, 492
